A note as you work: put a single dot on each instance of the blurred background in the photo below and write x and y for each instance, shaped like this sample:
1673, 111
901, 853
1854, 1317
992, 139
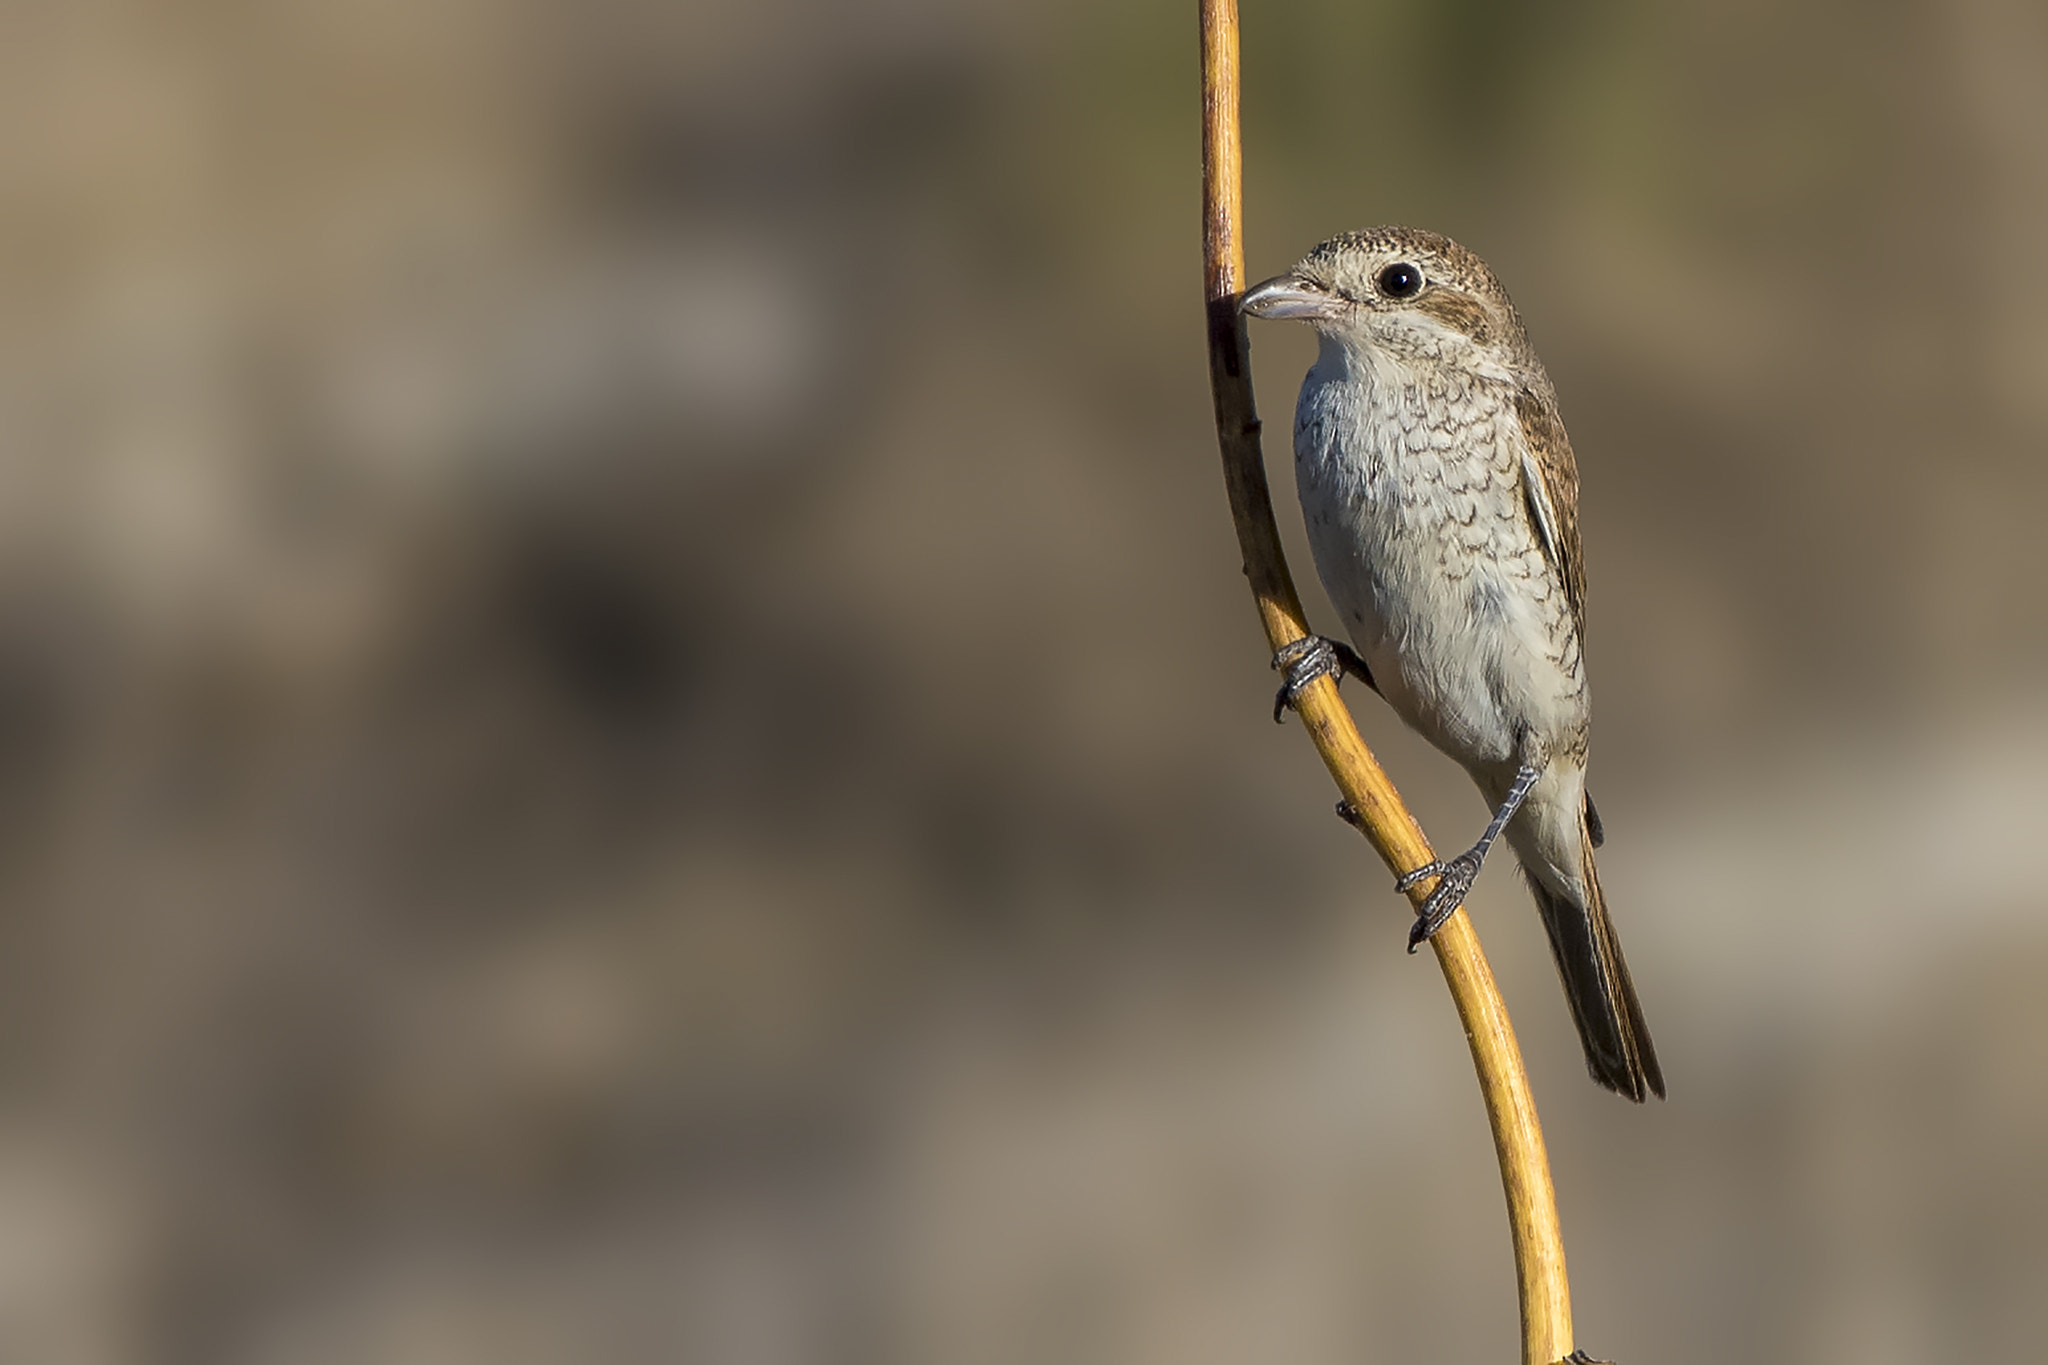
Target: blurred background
629, 729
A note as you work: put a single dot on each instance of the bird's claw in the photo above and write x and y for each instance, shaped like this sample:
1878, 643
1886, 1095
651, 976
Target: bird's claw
1406, 882
1302, 661
1454, 880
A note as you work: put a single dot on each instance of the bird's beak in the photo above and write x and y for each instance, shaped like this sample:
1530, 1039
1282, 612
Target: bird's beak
1290, 296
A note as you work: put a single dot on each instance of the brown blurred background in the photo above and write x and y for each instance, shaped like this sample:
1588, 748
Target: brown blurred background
629, 729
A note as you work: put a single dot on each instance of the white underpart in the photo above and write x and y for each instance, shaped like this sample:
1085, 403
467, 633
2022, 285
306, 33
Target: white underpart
1411, 480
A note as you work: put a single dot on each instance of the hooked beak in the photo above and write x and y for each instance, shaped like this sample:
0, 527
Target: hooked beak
1290, 296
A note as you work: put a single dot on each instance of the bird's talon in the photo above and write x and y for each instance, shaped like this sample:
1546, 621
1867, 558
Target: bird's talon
1457, 877
1309, 658
1407, 881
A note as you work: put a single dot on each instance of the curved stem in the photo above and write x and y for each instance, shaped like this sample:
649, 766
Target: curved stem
1385, 820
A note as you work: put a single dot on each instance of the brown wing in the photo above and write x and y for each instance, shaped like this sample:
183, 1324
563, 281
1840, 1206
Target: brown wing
1554, 498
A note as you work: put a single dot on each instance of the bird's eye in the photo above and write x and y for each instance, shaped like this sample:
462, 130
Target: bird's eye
1401, 281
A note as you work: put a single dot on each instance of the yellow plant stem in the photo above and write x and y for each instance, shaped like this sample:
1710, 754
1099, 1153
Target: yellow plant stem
1382, 816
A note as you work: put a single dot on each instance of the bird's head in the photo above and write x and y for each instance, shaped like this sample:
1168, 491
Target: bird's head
1402, 293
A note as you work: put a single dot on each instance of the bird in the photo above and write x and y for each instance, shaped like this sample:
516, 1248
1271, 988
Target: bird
1441, 499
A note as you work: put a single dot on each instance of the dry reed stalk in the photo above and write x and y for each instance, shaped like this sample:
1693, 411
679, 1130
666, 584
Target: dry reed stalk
1382, 817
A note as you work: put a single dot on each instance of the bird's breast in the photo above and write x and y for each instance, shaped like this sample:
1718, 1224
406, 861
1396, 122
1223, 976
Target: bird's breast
1410, 484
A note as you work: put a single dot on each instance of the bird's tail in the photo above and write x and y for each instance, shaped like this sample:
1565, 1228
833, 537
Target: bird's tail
1596, 982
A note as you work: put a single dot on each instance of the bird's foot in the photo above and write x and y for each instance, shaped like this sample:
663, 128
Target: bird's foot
1302, 661
1454, 879
1457, 875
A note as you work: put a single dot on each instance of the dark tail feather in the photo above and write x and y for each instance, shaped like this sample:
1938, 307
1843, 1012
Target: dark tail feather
1596, 982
